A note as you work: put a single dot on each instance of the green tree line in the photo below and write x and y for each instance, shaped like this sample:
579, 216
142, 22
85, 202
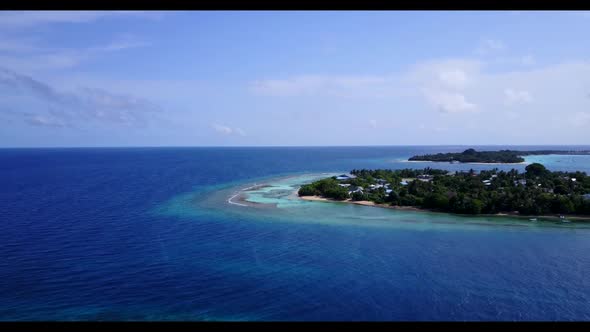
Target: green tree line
537, 191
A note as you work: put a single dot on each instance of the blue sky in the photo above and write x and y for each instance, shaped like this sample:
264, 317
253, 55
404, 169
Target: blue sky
293, 78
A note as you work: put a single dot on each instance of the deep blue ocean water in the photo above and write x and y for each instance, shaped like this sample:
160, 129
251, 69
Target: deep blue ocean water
133, 234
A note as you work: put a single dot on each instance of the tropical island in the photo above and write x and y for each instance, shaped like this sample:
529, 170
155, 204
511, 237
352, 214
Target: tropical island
489, 157
536, 192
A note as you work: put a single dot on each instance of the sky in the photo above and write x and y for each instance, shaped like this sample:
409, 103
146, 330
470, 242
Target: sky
274, 78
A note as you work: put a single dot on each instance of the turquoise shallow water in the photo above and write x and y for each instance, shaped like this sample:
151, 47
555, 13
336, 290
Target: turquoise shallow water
566, 163
389, 264
276, 198
149, 234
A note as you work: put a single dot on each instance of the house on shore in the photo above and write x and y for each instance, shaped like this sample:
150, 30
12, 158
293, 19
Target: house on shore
381, 181
354, 189
425, 177
521, 182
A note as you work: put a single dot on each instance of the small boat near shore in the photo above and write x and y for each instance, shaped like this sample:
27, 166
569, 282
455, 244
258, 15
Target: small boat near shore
533, 219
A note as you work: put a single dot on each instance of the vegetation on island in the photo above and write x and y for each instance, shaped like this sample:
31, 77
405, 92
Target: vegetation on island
502, 156
537, 191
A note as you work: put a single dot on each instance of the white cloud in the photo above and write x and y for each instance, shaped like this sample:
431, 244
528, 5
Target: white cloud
556, 96
489, 46
28, 56
22, 49
444, 74
81, 105
441, 83
316, 85
454, 78
23, 19
524, 60
513, 97
512, 115
296, 86
446, 84
8, 44
120, 44
222, 129
33, 63
527, 60
42, 121
226, 130
450, 102
373, 123
580, 119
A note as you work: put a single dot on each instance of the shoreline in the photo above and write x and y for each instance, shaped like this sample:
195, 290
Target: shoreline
364, 203
239, 199
416, 209
239, 195
478, 163
460, 163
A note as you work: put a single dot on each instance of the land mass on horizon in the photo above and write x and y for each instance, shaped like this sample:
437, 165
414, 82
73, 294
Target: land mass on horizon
490, 157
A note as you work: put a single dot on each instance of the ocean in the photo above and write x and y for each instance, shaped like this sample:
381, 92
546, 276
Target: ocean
138, 234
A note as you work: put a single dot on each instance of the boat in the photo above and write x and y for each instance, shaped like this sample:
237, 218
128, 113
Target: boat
533, 219
562, 218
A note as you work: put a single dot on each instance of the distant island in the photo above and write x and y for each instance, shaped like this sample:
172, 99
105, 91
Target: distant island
536, 192
489, 157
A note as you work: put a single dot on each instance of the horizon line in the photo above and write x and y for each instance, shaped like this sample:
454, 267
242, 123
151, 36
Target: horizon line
277, 146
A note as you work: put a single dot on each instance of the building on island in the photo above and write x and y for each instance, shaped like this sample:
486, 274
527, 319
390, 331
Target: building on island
521, 182
425, 177
354, 189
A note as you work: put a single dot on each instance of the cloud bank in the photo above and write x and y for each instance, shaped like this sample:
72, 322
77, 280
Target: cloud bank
225, 130
25, 19
72, 107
